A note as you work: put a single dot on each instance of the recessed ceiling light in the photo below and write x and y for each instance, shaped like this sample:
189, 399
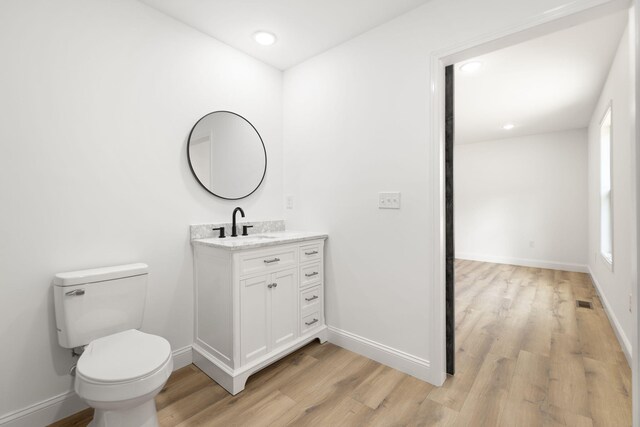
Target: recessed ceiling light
508, 126
470, 67
264, 38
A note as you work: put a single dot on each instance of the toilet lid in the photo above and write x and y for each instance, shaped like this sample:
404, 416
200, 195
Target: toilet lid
124, 356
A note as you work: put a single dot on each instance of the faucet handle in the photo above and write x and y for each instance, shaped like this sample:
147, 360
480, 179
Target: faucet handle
245, 228
221, 229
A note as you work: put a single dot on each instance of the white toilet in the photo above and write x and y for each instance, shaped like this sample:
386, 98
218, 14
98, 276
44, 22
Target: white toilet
121, 369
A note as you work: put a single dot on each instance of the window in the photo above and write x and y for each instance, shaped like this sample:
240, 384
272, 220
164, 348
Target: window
606, 201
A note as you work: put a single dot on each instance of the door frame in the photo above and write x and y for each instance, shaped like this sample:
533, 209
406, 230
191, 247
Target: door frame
550, 21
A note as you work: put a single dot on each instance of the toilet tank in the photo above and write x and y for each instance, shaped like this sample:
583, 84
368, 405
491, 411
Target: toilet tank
94, 303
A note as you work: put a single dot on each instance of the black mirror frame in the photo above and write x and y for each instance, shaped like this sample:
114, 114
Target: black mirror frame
264, 173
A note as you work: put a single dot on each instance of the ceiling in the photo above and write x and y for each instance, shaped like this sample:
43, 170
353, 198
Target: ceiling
303, 28
547, 84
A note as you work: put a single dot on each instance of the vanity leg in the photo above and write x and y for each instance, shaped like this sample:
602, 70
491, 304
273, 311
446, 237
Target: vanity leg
322, 336
239, 383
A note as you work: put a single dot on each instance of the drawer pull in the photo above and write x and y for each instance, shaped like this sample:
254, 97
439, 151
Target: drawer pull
312, 298
269, 261
315, 273
311, 323
75, 292
311, 253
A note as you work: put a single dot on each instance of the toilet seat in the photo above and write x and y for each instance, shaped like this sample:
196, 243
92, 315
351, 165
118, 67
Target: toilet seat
123, 366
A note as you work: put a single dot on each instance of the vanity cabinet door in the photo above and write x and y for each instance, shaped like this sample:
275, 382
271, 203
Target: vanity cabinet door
254, 317
284, 307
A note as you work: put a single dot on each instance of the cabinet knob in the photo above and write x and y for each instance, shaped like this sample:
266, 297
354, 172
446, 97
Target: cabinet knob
272, 285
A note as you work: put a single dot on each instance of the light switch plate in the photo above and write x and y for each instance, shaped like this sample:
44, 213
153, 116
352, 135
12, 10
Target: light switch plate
389, 200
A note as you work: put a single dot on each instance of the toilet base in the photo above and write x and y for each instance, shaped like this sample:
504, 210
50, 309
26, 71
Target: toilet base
144, 415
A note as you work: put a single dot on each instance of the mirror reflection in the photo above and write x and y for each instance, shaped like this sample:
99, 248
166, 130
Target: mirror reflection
227, 155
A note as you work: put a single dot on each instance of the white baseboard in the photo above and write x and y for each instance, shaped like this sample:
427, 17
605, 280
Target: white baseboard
45, 412
404, 362
63, 405
182, 357
617, 328
551, 265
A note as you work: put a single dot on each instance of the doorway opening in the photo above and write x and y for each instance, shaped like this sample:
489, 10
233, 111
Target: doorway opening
549, 279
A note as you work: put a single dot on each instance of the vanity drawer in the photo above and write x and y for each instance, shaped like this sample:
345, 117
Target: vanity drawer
310, 274
260, 261
309, 322
310, 252
311, 299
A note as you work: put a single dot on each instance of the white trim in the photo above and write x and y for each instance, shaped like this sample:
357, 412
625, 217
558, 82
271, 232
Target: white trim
182, 357
65, 404
549, 21
397, 359
45, 412
536, 263
617, 328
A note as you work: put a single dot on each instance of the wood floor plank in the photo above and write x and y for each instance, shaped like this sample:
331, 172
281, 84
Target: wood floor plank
226, 410
556, 417
488, 394
596, 337
567, 376
322, 400
455, 390
538, 330
527, 391
564, 309
189, 381
609, 403
399, 407
177, 411
377, 386
432, 414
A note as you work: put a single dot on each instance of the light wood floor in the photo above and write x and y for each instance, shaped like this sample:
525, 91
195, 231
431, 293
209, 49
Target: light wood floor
526, 356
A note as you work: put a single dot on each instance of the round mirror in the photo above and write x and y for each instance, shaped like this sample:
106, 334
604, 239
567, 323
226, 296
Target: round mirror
227, 155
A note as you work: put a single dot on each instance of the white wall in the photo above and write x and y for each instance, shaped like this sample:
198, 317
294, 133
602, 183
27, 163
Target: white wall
356, 123
98, 98
616, 285
511, 192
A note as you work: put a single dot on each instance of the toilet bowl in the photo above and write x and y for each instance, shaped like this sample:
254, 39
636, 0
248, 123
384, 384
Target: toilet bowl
120, 374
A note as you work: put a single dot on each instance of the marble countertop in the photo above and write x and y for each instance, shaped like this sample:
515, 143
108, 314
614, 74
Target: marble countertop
260, 240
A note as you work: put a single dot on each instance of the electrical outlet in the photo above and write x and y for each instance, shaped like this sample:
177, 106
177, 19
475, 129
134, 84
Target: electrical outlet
389, 200
288, 201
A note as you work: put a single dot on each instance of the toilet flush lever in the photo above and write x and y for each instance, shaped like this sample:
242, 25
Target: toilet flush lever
75, 292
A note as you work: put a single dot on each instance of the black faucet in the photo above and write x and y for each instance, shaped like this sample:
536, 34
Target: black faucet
234, 232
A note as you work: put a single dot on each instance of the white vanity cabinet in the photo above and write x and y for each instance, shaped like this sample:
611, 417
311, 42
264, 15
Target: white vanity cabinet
253, 306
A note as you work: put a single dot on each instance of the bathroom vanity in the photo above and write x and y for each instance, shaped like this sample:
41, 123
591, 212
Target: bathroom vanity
257, 299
